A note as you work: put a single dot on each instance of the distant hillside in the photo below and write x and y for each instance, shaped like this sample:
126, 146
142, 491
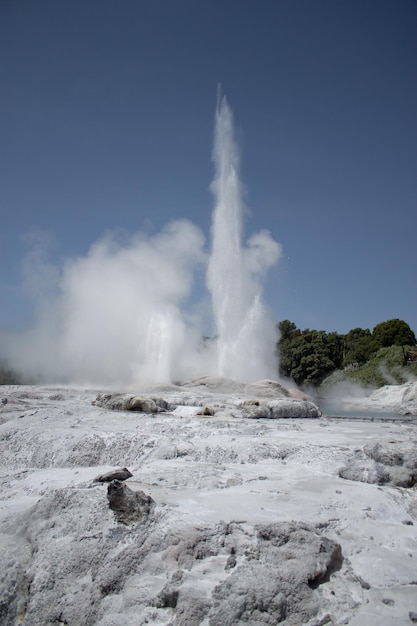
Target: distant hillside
386, 367
387, 354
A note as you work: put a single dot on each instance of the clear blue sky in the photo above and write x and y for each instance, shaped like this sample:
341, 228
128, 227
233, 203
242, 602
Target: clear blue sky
107, 111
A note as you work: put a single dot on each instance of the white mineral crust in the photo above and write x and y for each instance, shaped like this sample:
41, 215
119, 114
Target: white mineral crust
251, 522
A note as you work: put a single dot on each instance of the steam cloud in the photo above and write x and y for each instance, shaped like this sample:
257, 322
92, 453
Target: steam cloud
122, 314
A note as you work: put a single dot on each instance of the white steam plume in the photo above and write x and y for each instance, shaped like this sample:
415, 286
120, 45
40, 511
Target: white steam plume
120, 315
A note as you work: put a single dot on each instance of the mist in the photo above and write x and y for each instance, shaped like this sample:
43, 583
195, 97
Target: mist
126, 313
116, 315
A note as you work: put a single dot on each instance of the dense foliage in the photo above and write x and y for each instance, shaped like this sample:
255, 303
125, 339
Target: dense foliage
358, 346
393, 333
308, 357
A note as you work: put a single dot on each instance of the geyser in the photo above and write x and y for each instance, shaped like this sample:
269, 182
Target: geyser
122, 313
245, 333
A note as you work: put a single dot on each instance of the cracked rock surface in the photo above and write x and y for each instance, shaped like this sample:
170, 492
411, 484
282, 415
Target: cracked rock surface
386, 462
209, 518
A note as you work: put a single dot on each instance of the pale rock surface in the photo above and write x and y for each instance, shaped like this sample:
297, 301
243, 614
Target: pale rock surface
384, 462
390, 399
401, 398
209, 395
226, 520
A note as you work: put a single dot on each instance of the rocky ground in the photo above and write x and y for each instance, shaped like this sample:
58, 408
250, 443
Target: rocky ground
229, 512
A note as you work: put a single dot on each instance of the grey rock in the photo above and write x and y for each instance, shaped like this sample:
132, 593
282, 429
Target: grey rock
76, 566
231, 562
379, 474
363, 583
13, 582
217, 384
393, 453
278, 408
265, 399
129, 506
222, 385
403, 477
326, 619
189, 607
412, 507
276, 581
384, 462
190, 610
130, 402
365, 472
206, 410
239, 600
167, 597
268, 388
409, 399
119, 474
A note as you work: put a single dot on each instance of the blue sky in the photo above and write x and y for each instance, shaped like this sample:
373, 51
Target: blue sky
107, 125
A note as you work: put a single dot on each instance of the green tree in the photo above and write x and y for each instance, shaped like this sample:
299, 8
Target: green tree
308, 356
393, 332
311, 359
335, 343
358, 346
287, 330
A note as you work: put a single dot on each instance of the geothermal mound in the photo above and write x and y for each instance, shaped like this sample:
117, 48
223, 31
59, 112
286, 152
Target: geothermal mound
214, 396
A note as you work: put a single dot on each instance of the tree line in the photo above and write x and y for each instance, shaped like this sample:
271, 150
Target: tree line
309, 356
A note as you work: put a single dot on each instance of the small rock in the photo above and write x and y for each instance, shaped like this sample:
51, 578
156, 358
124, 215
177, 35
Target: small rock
230, 563
363, 583
413, 616
129, 506
167, 598
128, 402
206, 410
388, 601
324, 620
119, 474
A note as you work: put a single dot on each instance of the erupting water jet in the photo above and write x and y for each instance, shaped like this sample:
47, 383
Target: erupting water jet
245, 333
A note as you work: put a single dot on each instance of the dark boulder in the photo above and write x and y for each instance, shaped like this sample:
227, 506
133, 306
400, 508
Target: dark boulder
129, 506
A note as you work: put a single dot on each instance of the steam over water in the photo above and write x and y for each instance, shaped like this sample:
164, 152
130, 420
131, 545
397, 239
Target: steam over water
122, 313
